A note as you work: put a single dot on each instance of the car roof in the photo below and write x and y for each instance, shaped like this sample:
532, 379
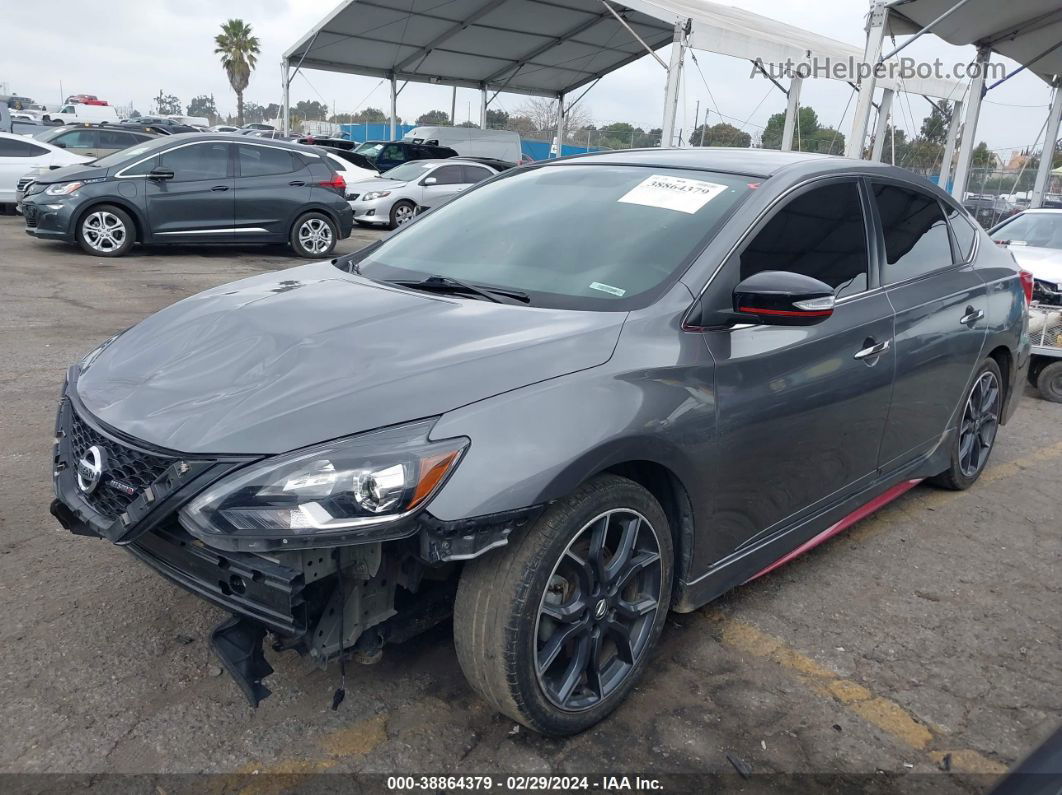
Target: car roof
754, 162
1045, 210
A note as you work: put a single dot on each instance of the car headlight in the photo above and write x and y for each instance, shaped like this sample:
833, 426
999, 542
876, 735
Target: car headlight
347, 490
375, 194
63, 188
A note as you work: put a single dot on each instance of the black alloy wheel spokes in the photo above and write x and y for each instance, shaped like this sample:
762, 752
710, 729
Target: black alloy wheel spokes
598, 610
980, 421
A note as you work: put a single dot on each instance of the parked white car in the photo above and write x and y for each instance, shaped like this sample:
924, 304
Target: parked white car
1034, 237
396, 196
21, 157
351, 173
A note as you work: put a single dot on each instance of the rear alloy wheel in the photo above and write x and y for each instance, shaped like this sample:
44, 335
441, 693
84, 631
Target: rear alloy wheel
105, 231
1049, 382
557, 629
313, 236
978, 425
402, 213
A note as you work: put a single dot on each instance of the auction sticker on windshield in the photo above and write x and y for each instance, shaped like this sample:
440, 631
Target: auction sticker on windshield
672, 193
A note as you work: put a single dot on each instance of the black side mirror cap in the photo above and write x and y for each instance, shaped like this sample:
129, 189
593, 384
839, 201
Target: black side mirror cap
782, 298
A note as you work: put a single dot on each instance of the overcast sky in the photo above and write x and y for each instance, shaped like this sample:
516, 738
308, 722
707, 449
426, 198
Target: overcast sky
126, 50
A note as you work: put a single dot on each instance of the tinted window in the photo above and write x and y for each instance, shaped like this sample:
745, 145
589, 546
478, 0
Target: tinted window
77, 139
139, 170
567, 238
916, 234
962, 229
116, 139
260, 161
13, 148
820, 234
198, 161
449, 175
393, 153
476, 173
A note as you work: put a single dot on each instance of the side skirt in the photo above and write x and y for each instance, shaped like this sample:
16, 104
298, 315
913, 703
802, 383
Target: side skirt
781, 548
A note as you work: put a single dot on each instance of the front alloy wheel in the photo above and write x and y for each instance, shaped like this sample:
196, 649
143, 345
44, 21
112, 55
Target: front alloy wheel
555, 629
105, 231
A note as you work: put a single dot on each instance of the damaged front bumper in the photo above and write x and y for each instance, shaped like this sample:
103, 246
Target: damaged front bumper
326, 604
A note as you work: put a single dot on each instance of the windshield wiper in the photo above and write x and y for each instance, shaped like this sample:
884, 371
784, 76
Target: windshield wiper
444, 284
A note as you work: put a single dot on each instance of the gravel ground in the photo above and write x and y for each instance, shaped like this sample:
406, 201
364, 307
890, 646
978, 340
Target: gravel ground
925, 639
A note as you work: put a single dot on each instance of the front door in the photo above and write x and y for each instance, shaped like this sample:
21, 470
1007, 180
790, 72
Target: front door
197, 202
442, 184
272, 185
940, 304
800, 409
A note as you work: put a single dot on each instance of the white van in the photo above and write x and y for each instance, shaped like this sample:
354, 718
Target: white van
81, 112
470, 141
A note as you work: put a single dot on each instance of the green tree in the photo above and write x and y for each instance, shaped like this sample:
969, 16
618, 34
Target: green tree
434, 117
935, 125
203, 105
310, 110
370, 115
468, 124
239, 54
983, 156
721, 134
807, 125
497, 119
253, 113
167, 104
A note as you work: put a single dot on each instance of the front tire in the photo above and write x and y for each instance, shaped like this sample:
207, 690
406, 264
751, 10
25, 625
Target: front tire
556, 629
978, 424
313, 236
106, 231
402, 213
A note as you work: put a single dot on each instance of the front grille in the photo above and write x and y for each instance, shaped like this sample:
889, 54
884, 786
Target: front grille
125, 465
23, 183
352, 196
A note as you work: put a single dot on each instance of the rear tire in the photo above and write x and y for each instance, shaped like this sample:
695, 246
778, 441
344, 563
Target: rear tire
105, 231
313, 236
556, 629
1049, 382
978, 424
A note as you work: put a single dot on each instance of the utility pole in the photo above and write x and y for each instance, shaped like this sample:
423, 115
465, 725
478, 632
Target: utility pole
453, 108
697, 120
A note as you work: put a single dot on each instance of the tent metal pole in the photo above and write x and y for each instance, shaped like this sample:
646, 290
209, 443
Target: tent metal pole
630, 30
880, 128
926, 29
562, 112
949, 144
791, 111
453, 108
671, 91
285, 103
969, 127
871, 56
1043, 173
394, 107
483, 108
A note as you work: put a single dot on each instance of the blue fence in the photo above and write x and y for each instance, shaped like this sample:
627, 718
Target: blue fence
381, 131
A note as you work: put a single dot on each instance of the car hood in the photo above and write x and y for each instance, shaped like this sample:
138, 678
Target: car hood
1042, 263
375, 183
72, 172
296, 357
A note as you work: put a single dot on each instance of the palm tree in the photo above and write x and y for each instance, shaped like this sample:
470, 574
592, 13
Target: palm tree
239, 53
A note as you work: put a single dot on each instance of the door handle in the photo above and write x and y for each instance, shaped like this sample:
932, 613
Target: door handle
297, 183
972, 316
220, 188
872, 351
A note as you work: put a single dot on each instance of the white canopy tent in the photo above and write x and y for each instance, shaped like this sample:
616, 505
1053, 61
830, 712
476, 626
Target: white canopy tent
554, 47
1027, 31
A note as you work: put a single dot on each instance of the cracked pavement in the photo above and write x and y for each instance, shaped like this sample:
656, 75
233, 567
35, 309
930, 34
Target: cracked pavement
930, 630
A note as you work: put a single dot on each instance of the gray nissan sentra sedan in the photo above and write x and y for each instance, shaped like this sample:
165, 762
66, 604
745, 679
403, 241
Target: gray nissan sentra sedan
580, 395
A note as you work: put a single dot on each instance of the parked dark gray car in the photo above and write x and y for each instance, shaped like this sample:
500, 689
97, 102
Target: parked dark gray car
580, 395
193, 188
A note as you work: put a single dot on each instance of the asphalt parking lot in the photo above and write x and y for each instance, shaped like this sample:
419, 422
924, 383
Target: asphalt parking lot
924, 640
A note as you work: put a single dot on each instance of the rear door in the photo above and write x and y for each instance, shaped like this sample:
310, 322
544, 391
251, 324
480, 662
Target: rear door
940, 303
196, 204
272, 185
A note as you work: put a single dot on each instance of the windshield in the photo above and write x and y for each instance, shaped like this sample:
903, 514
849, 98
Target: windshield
1043, 230
408, 171
570, 236
370, 149
131, 154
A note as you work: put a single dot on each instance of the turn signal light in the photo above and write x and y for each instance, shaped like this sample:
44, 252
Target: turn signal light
1026, 285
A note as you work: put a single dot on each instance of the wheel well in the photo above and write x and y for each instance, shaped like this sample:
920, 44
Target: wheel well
1003, 358
668, 490
138, 232
322, 210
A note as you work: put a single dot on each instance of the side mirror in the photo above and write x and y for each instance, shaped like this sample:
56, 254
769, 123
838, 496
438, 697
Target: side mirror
61, 145
781, 298
430, 181
160, 174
